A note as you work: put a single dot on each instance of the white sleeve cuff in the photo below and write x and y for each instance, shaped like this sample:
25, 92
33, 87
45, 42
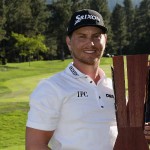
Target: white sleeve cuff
45, 127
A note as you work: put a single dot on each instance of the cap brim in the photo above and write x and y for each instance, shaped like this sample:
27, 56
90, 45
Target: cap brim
104, 29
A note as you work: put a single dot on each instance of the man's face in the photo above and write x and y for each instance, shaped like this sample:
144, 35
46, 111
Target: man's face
87, 45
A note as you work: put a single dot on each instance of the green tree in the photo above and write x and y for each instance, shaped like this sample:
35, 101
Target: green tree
2, 20
29, 46
129, 13
2, 33
40, 15
118, 23
18, 14
142, 28
18, 18
27, 17
60, 13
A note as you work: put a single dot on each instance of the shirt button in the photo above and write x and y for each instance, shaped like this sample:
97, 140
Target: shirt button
102, 106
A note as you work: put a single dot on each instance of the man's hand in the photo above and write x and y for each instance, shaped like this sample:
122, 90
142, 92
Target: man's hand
147, 132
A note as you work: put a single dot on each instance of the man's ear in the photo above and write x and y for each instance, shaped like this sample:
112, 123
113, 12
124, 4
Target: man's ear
106, 37
68, 42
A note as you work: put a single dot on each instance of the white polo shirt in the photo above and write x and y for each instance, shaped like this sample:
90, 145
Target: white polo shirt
81, 112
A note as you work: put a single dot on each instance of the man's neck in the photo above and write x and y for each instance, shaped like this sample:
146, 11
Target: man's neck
90, 70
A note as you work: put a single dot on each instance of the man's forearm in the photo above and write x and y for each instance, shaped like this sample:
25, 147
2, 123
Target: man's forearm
37, 139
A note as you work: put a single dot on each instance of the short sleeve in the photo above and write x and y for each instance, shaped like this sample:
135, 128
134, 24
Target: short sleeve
44, 107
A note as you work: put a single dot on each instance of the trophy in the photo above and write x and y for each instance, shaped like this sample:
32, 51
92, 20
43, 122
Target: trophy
130, 103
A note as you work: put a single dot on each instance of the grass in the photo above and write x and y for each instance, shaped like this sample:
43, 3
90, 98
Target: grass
13, 117
17, 81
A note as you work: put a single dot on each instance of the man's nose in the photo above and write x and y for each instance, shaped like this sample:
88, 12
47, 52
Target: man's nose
90, 42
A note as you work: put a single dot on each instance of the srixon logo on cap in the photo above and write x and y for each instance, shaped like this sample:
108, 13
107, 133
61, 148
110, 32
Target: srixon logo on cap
79, 18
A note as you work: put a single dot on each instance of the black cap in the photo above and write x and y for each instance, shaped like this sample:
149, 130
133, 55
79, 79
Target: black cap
85, 17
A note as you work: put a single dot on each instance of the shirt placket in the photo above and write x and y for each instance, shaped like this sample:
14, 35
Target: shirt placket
100, 101
98, 94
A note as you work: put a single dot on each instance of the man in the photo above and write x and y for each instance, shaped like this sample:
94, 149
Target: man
75, 109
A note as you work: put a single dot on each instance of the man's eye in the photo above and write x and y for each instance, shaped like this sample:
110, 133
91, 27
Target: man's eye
81, 36
97, 36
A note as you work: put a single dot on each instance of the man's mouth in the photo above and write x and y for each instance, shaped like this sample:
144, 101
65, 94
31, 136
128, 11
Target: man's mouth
89, 51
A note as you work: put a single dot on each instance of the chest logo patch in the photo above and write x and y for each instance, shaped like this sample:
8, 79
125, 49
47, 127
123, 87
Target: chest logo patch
110, 95
82, 94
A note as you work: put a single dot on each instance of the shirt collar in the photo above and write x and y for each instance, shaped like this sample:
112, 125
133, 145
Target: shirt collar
71, 70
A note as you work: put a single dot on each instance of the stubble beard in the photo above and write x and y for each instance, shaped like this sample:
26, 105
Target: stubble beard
90, 60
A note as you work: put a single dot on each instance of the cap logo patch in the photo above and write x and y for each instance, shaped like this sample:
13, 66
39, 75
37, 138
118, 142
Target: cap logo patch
79, 18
